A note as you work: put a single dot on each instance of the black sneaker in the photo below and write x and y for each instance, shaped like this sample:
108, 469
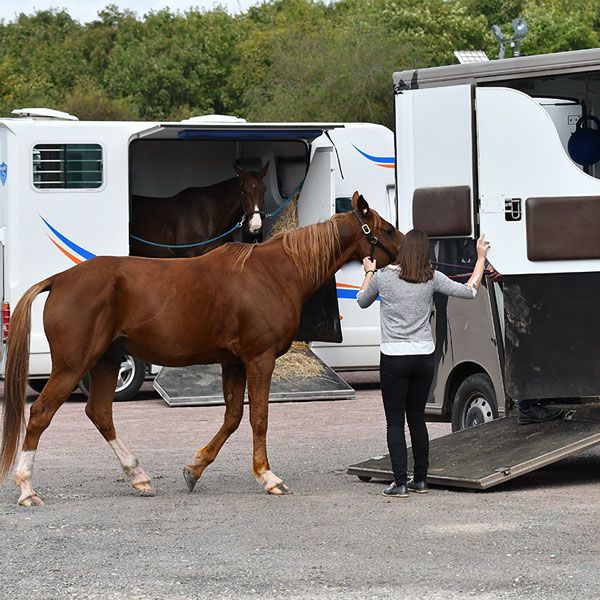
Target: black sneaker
539, 414
417, 486
396, 491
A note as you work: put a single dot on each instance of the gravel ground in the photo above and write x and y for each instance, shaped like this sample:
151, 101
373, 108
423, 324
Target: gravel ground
333, 538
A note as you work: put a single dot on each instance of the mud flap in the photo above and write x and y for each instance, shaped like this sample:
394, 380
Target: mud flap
552, 345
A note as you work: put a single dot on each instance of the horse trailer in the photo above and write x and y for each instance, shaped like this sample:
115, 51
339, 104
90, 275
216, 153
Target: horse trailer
66, 188
503, 148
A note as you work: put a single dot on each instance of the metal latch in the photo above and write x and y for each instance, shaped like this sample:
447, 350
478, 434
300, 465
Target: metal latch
504, 470
512, 209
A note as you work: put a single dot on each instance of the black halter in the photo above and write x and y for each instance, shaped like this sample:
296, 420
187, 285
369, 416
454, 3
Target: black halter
373, 239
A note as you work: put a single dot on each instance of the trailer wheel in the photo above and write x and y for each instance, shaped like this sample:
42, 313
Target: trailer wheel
37, 385
131, 377
474, 402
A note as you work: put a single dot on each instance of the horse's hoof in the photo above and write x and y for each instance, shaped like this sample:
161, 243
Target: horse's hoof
145, 489
190, 478
31, 501
279, 489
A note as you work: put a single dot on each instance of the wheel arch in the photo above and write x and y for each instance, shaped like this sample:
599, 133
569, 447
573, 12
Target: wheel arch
459, 373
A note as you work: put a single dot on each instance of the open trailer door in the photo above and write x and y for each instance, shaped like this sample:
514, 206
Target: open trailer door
320, 318
542, 214
435, 149
201, 384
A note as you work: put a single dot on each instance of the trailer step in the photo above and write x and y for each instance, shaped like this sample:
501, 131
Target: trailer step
200, 385
489, 454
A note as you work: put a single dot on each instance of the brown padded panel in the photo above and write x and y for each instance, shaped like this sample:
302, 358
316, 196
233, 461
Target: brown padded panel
443, 211
563, 228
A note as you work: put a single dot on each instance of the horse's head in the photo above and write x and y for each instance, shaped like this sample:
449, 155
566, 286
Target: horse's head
253, 197
377, 238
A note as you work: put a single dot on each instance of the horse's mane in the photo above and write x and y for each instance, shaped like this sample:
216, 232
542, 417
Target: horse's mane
313, 249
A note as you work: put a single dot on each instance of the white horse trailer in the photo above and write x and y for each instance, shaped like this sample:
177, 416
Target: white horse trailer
490, 148
65, 189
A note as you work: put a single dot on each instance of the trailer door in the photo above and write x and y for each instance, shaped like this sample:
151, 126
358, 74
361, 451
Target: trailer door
541, 210
542, 216
434, 166
317, 198
320, 319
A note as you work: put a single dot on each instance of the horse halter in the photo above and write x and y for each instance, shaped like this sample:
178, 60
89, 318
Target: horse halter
372, 238
249, 214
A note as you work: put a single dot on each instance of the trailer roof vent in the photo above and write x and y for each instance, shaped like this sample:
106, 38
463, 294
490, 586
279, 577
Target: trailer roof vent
44, 113
205, 119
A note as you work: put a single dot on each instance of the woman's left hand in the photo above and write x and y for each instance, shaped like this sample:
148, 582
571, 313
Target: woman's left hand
369, 265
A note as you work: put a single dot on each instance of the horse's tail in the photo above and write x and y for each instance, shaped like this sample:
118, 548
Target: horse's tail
17, 373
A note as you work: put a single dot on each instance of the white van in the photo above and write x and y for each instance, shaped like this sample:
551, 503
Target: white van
65, 189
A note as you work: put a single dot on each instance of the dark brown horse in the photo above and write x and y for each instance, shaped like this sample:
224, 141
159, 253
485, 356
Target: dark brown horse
198, 214
238, 305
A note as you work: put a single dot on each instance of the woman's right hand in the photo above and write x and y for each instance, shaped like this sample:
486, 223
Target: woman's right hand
482, 247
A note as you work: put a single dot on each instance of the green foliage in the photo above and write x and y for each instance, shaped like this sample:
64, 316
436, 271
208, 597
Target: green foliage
280, 60
561, 25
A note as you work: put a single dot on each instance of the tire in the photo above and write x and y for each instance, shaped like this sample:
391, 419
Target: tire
364, 478
37, 385
131, 377
474, 402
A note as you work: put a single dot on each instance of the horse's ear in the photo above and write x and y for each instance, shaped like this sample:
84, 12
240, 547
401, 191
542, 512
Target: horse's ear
264, 170
237, 169
360, 204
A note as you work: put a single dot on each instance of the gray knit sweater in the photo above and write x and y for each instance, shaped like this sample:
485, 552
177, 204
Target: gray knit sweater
406, 308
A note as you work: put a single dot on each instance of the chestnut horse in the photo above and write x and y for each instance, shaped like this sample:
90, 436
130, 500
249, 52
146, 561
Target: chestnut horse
196, 215
238, 305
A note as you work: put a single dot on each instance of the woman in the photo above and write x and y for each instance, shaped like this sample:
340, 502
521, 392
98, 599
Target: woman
406, 291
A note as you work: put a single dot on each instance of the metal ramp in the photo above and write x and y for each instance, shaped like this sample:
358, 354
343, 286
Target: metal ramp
200, 385
489, 454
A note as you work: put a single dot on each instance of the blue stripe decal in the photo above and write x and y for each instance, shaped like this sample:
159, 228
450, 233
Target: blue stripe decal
388, 160
81, 251
346, 293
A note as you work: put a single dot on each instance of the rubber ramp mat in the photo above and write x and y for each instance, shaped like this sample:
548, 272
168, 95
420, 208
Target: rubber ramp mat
489, 454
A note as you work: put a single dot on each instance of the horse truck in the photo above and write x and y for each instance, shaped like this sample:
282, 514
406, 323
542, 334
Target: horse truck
510, 149
66, 188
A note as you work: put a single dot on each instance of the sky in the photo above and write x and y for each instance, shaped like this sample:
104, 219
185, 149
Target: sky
87, 10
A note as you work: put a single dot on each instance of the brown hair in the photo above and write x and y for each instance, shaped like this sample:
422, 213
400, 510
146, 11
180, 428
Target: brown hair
413, 257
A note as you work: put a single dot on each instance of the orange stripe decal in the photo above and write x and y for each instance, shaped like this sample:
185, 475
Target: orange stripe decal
67, 254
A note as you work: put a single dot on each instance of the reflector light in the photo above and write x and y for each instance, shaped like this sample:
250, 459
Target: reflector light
5, 320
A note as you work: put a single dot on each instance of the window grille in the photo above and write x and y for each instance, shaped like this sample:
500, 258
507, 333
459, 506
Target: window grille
67, 166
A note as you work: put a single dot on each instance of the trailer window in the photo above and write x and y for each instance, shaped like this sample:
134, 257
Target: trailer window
67, 166
343, 205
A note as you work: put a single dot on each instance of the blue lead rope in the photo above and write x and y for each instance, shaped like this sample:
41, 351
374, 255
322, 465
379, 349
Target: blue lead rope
139, 239
229, 231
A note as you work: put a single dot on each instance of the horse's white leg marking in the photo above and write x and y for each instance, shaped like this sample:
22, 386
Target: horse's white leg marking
255, 222
22, 477
272, 483
131, 466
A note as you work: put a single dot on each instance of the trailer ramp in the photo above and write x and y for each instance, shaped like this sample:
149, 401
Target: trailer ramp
484, 456
201, 385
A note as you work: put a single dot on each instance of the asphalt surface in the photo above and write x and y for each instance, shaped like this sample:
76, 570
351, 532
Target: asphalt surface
335, 537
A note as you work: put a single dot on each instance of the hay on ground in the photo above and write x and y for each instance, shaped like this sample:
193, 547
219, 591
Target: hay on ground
297, 362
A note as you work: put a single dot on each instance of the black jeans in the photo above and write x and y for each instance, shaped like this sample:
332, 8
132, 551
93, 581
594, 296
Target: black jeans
405, 383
